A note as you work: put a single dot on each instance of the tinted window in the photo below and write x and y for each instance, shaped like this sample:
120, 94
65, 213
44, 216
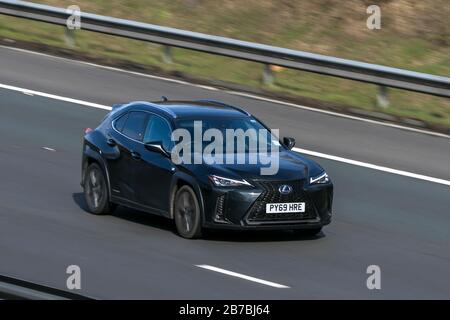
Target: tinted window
120, 122
259, 138
158, 130
135, 125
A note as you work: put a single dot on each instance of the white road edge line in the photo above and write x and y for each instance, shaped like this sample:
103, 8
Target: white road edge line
373, 166
236, 93
341, 115
305, 151
242, 276
55, 97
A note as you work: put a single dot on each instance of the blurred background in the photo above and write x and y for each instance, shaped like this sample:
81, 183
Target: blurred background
414, 35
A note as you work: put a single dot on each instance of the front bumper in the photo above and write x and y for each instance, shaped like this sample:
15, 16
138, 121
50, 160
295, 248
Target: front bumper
244, 208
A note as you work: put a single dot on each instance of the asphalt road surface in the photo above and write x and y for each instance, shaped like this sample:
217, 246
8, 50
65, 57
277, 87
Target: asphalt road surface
399, 223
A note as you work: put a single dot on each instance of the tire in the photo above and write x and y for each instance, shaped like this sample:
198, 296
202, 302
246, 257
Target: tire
187, 215
308, 232
96, 191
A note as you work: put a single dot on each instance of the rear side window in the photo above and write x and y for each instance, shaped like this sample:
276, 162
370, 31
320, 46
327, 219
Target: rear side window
119, 123
134, 127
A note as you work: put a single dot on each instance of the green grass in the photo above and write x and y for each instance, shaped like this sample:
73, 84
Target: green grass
316, 30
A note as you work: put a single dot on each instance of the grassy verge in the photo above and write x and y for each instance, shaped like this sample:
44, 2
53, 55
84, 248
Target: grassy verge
249, 23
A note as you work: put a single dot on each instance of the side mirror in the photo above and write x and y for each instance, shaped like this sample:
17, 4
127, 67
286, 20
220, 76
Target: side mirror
156, 146
289, 142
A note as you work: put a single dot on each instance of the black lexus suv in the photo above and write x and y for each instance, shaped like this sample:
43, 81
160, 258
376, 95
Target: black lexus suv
129, 160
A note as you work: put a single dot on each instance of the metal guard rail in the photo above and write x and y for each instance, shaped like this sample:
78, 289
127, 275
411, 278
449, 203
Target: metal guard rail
270, 55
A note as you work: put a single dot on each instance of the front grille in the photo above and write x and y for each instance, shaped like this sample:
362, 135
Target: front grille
257, 213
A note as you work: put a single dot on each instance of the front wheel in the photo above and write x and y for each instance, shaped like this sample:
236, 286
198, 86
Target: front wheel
96, 191
187, 213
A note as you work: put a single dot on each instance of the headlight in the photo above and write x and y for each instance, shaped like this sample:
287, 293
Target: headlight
320, 179
227, 182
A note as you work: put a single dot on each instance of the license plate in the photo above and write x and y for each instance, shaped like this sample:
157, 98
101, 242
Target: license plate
289, 207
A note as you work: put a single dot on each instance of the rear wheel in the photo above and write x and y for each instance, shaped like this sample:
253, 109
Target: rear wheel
96, 191
187, 213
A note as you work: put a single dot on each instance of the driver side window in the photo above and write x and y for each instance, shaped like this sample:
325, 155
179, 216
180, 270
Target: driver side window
158, 130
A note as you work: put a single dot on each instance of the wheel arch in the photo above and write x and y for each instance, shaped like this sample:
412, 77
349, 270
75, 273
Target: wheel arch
180, 179
91, 156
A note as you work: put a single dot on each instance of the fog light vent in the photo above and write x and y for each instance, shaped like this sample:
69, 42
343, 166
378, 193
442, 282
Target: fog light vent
220, 209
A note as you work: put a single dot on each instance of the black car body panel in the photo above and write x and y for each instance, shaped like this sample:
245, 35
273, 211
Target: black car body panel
145, 179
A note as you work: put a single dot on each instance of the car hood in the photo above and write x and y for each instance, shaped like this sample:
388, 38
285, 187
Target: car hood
291, 166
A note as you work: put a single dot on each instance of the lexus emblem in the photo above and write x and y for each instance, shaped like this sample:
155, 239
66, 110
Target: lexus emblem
285, 189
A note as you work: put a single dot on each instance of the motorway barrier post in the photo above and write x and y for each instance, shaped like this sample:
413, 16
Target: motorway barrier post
382, 97
267, 77
69, 37
167, 54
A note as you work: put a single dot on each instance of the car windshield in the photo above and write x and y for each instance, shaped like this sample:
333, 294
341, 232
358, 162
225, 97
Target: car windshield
234, 135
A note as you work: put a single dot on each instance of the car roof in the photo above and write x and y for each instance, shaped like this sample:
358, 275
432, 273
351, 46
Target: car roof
189, 109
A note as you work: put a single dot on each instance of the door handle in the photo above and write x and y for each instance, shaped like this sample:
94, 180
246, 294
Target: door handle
111, 142
135, 155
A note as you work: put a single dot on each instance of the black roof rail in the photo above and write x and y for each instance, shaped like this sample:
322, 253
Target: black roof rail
225, 105
156, 106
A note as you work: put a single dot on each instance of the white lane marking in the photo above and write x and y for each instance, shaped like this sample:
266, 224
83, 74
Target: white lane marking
242, 276
49, 149
305, 151
238, 93
55, 97
342, 115
373, 166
